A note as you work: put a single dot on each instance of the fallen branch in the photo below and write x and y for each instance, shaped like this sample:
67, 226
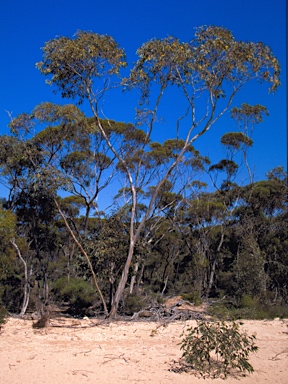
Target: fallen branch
114, 357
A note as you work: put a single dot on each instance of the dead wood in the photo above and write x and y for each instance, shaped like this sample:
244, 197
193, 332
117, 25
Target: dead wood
42, 322
181, 310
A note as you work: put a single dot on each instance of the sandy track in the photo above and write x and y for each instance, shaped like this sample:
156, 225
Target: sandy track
123, 352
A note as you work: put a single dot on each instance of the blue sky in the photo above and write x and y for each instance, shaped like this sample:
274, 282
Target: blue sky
26, 25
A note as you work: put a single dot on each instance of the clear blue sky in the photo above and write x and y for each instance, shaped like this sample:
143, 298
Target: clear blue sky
26, 25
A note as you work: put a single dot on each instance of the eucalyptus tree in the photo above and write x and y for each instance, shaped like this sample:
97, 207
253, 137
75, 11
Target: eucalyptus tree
228, 191
107, 243
29, 198
207, 72
75, 158
16, 264
276, 241
259, 227
7, 259
205, 218
246, 116
64, 155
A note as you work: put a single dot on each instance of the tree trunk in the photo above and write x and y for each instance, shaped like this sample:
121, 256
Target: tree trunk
26, 289
133, 278
112, 284
140, 277
211, 279
165, 285
213, 269
122, 282
69, 256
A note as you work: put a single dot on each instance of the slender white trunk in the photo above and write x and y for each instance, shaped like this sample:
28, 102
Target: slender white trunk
26, 289
122, 282
213, 269
165, 285
133, 279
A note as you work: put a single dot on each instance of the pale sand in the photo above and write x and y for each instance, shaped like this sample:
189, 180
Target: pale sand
123, 352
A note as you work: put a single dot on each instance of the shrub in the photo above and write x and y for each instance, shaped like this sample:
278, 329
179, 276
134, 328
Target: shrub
192, 297
133, 303
249, 308
77, 292
74, 289
213, 349
3, 314
153, 298
249, 302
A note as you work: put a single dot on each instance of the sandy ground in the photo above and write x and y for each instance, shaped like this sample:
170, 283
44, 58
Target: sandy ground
91, 351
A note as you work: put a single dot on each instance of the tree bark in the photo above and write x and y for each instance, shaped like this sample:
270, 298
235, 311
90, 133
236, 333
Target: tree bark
213, 269
26, 289
165, 285
122, 282
133, 278
140, 277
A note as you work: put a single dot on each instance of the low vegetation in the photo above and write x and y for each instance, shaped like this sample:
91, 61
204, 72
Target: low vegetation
216, 349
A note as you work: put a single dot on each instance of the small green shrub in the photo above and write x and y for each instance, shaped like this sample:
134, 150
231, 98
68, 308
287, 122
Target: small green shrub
277, 311
73, 290
249, 302
192, 297
220, 311
77, 292
3, 314
152, 297
160, 299
212, 349
249, 308
133, 303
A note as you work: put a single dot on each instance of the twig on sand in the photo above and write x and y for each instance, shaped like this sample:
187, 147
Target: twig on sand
81, 371
78, 353
114, 357
277, 354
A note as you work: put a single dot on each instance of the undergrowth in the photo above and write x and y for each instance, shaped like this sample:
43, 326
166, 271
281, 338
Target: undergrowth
248, 308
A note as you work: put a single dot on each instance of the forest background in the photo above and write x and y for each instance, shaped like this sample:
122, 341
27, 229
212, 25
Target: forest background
108, 216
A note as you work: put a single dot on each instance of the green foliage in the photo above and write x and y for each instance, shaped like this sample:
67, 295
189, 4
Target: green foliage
7, 226
133, 303
3, 314
234, 140
214, 349
77, 292
211, 59
157, 297
9, 278
248, 301
248, 308
192, 297
74, 289
225, 165
73, 63
251, 113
